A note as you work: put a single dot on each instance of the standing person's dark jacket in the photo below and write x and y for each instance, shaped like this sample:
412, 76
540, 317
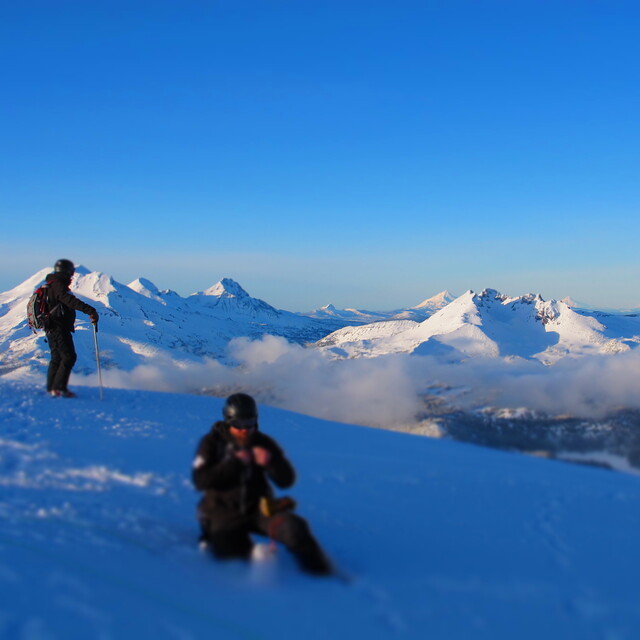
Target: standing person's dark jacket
59, 294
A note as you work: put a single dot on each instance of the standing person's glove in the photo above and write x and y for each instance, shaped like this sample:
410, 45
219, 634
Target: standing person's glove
94, 319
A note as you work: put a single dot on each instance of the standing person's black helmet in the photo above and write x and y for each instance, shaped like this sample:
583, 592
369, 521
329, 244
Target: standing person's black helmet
65, 267
240, 406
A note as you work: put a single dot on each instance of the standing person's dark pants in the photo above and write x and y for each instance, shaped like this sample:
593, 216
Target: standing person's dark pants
63, 357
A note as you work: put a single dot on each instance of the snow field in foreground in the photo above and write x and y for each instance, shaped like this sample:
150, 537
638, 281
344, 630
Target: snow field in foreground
441, 539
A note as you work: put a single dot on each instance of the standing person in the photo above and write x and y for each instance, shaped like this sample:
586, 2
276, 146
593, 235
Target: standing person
233, 466
60, 325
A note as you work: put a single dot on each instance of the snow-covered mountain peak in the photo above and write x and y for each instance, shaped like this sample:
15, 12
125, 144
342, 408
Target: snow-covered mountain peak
349, 315
226, 288
464, 308
149, 290
436, 302
93, 284
570, 302
26, 288
466, 298
228, 297
528, 298
490, 294
143, 284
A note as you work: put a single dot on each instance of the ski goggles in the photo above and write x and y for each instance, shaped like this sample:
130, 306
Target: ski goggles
248, 424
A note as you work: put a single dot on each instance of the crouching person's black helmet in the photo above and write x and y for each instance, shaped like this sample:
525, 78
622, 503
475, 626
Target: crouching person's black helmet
65, 267
240, 407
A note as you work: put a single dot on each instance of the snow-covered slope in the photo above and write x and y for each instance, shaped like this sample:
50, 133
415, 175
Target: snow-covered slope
139, 322
441, 540
491, 324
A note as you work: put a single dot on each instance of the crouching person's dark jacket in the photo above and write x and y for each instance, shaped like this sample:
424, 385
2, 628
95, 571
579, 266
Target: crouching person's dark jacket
232, 487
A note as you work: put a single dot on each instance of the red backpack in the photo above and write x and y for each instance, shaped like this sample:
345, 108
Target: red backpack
38, 309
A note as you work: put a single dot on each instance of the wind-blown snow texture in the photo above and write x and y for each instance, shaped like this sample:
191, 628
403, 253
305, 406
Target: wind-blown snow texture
443, 540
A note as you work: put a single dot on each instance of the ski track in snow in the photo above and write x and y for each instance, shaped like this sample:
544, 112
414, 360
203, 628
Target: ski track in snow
434, 539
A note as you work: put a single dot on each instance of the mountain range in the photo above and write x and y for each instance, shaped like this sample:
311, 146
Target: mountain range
140, 322
357, 316
491, 324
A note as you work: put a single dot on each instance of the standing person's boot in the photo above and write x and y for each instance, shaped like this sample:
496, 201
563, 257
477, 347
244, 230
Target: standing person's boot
63, 393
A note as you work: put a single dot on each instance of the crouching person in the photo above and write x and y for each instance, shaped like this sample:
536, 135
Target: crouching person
234, 465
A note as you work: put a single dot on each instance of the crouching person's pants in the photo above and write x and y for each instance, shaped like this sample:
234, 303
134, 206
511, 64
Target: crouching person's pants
229, 540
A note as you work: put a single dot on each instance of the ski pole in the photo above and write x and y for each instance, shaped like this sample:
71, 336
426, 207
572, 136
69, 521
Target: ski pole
95, 338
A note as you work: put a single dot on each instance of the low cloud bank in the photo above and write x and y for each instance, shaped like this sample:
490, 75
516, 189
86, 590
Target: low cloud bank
587, 386
289, 376
389, 391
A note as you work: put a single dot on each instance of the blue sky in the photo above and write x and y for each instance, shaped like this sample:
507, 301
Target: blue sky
363, 153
